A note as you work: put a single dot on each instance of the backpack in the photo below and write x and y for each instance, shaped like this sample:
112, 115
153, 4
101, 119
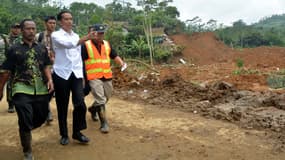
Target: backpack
40, 37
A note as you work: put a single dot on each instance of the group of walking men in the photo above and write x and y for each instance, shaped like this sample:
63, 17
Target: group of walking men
38, 66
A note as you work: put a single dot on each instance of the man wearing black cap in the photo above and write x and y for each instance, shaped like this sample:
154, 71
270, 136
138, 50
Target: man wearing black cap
96, 54
14, 33
9, 41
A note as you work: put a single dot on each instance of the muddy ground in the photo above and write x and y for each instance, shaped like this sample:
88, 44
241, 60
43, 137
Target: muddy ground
141, 131
200, 110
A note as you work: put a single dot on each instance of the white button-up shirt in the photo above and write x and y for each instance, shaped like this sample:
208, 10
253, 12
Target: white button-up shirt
67, 54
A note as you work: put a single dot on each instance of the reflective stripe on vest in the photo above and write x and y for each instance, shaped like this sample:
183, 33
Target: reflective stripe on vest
98, 65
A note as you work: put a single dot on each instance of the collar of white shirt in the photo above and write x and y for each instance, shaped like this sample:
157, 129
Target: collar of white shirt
66, 33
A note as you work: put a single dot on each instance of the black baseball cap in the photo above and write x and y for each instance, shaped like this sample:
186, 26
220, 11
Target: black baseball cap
15, 25
100, 28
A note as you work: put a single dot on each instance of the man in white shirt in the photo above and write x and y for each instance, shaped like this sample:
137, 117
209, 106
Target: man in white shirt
68, 76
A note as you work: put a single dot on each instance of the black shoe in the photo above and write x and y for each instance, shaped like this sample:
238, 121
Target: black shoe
80, 137
64, 140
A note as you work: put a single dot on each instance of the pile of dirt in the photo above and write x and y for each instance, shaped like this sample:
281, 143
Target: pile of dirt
263, 58
213, 87
202, 48
206, 49
215, 61
220, 100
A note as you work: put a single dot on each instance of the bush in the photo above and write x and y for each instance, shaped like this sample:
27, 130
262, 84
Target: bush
162, 54
239, 63
276, 81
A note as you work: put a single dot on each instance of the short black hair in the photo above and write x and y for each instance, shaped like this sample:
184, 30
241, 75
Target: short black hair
22, 24
59, 15
47, 18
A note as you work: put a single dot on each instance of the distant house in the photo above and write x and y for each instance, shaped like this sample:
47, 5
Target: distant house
158, 35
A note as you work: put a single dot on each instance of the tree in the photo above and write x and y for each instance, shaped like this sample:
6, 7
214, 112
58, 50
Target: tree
211, 25
139, 45
194, 24
148, 6
240, 27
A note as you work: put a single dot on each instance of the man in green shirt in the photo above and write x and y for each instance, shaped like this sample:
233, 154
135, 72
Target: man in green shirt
28, 62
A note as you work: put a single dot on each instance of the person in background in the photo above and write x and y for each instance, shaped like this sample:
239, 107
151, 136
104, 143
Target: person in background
96, 54
45, 39
9, 40
2, 51
68, 76
28, 63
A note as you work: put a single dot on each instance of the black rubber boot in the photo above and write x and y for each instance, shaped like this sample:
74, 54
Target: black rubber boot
26, 140
104, 128
28, 156
11, 107
93, 113
49, 117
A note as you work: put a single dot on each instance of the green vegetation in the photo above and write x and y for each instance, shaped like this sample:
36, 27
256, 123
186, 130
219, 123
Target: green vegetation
129, 28
276, 79
242, 70
267, 32
132, 31
239, 63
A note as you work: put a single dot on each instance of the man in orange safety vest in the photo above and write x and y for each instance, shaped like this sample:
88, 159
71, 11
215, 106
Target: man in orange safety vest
97, 54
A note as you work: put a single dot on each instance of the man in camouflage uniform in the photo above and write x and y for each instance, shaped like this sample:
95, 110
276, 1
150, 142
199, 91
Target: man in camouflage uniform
2, 50
9, 40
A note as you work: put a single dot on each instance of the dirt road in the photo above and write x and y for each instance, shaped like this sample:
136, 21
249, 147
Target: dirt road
142, 132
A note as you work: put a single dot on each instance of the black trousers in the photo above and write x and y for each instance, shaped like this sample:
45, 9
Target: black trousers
9, 91
62, 94
32, 110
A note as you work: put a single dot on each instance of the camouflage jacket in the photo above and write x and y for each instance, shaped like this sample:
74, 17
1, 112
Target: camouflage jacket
6, 41
2, 49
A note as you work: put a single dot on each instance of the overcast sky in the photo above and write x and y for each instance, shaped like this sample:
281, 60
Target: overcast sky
224, 11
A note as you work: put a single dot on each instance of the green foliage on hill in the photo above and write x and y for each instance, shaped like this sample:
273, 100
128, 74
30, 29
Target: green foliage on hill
269, 31
119, 16
274, 21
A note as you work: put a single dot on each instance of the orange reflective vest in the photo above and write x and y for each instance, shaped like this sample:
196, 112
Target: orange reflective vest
98, 64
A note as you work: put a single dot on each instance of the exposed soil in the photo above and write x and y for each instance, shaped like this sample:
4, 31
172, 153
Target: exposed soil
209, 85
200, 110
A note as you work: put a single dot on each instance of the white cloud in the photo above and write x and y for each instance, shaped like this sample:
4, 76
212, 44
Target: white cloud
224, 11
